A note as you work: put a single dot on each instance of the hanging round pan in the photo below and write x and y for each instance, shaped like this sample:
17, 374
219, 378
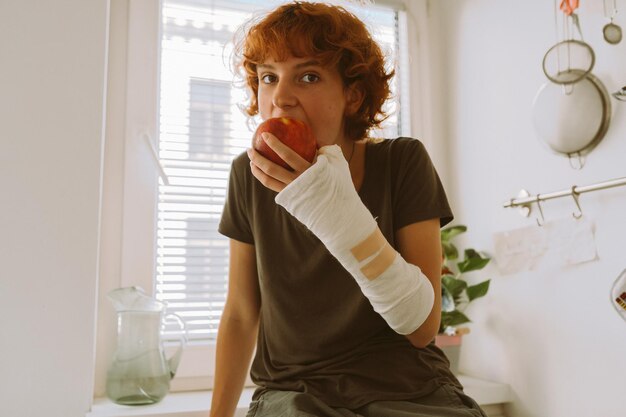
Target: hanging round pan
573, 118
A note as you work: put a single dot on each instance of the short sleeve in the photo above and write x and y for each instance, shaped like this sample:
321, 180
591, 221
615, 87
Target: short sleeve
418, 192
235, 222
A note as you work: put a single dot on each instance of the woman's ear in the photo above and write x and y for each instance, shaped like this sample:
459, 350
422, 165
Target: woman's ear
354, 98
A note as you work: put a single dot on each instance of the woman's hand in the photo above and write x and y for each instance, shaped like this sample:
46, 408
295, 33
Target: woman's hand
272, 175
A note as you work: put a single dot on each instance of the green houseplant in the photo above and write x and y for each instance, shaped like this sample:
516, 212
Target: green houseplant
456, 293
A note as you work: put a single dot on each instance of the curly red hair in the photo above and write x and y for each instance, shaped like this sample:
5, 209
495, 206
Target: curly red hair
329, 34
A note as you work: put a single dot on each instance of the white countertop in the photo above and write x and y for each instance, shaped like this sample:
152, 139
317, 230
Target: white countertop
196, 403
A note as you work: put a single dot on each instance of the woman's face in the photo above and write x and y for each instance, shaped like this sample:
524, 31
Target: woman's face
303, 89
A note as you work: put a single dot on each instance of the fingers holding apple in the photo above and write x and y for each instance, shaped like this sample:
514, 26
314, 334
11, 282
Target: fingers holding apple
282, 148
268, 172
293, 135
284, 155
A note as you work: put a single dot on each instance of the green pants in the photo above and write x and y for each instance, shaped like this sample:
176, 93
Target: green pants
446, 401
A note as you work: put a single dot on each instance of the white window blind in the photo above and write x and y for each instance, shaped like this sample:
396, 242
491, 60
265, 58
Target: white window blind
202, 129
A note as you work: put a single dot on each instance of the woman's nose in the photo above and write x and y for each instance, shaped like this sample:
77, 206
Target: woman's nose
284, 95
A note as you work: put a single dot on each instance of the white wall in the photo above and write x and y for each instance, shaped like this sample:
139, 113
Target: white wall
551, 333
52, 97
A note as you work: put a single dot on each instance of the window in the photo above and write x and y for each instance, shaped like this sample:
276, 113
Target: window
195, 151
201, 130
172, 109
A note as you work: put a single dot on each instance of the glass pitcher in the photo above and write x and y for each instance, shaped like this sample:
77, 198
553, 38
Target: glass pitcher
140, 373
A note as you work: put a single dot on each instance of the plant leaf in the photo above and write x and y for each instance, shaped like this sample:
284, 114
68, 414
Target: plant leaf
478, 290
450, 232
453, 285
453, 318
473, 261
450, 251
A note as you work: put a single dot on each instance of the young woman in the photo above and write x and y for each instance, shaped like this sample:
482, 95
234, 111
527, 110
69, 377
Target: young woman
335, 265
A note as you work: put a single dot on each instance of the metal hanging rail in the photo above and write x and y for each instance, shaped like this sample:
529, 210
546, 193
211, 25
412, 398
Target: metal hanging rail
524, 200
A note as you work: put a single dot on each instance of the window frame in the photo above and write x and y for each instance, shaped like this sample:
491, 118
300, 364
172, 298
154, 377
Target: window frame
137, 255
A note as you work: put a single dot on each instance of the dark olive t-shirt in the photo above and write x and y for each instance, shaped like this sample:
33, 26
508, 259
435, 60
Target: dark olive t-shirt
318, 333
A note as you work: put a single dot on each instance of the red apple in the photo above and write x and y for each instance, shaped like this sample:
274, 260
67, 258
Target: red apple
294, 133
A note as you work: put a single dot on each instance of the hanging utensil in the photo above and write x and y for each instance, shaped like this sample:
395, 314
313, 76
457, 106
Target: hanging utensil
570, 60
572, 124
618, 295
611, 31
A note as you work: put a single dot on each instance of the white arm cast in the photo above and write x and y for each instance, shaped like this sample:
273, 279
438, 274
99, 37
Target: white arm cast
324, 199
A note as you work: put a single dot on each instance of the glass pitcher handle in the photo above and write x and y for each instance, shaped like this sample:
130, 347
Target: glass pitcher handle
175, 359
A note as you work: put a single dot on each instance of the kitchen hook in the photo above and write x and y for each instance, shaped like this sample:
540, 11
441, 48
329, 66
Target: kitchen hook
620, 94
581, 161
543, 220
575, 195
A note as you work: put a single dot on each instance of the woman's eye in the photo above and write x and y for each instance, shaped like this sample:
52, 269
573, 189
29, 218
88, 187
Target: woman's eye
268, 79
310, 78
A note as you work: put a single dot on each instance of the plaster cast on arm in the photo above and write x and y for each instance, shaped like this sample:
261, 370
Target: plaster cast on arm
324, 199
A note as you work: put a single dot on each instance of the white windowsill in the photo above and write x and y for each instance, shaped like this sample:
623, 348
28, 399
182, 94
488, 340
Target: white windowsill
196, 404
